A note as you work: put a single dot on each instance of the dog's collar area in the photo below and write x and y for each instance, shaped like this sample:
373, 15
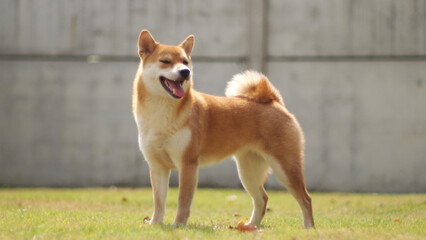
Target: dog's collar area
173, 88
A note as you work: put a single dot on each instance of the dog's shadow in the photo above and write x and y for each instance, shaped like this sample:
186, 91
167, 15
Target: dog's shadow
189, 227
197, 227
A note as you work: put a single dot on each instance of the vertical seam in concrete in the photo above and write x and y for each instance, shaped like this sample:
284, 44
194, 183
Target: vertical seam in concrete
257, 35
265, 35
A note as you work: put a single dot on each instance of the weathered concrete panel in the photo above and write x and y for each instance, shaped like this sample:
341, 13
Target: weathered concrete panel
330, 27
67, 124
109, 27
70, 124
365, 123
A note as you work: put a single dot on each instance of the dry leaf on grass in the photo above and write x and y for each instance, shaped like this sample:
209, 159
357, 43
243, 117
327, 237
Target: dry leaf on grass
245, 228
146, 219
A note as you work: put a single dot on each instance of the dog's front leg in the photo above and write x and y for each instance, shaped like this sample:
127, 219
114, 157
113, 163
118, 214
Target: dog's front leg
160, 186
188, 177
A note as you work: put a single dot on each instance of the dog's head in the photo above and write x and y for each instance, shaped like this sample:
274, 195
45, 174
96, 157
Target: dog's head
166, 69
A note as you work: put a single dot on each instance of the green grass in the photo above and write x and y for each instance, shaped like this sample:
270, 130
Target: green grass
119, 213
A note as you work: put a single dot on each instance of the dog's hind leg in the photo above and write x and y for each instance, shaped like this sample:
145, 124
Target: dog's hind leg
290, 174
252, 169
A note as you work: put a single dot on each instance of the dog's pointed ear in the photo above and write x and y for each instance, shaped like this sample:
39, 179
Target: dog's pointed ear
146, 44
188, 44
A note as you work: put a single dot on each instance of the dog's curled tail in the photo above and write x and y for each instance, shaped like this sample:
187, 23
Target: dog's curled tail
254, 86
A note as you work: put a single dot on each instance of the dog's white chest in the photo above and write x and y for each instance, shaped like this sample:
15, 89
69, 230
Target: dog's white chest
163, 141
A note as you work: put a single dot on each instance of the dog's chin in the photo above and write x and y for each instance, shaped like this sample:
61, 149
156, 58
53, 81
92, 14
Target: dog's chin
173, 87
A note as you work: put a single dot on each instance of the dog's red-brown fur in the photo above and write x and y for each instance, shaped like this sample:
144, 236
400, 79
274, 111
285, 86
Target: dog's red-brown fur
252, 124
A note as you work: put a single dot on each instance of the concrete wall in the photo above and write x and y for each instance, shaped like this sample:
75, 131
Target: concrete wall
353, 72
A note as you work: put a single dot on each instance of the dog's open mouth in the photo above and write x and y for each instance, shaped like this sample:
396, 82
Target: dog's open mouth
174, 88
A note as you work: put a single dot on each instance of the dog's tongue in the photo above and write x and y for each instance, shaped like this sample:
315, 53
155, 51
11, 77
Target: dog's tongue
176, 88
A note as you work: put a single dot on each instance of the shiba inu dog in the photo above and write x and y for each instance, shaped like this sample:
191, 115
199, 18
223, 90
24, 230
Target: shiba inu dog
180, 128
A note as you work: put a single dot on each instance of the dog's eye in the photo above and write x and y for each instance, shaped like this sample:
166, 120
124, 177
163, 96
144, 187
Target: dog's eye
185, 62
165, 61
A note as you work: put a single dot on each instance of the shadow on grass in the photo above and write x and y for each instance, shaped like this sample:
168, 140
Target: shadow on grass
189, 227
200, 228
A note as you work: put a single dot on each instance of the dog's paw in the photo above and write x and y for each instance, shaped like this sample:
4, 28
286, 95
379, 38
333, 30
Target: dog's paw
151, 221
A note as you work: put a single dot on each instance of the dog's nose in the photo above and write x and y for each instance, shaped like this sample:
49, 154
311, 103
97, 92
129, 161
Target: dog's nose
184, 73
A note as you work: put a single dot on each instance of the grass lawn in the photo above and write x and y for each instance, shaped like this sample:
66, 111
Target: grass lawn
119, 213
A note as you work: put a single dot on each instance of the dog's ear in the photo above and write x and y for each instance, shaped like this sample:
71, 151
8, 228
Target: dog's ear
188, 44
146, 43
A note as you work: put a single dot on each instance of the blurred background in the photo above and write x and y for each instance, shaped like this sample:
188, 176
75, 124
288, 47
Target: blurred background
353, 73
